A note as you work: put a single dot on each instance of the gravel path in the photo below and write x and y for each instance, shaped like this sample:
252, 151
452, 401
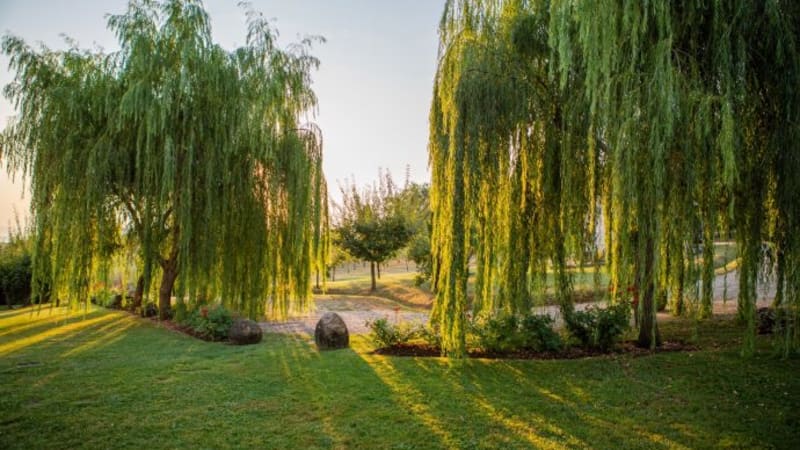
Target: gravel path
357, 310
354, 310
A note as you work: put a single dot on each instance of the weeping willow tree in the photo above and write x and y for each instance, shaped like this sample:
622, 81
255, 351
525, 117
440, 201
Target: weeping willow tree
197, 150
514, 179
677, 119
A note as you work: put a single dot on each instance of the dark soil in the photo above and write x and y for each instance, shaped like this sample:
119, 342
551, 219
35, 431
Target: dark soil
625, 348
409, 350
182, 329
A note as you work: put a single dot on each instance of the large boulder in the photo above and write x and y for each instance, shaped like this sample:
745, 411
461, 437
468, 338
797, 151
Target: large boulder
331, 332
244, 332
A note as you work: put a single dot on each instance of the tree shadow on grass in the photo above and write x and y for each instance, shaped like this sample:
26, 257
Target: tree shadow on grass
600, 402
456, 408
58, 327
345, 404
13, 317
113, 380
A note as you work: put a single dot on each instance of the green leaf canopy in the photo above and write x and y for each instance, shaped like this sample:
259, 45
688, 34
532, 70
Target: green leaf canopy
372, 225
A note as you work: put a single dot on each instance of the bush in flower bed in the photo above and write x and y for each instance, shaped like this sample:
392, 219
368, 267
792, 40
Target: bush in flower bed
505, 334
384, 334
210, 322
599, 328
594, 328
510, 333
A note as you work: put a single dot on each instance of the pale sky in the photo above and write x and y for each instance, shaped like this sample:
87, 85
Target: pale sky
374, 84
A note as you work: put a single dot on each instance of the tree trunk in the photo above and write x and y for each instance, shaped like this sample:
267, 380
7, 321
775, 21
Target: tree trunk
663, 293
707, 302
677, 304
649, 336
372, 273
165, 290
378, 265
138, 294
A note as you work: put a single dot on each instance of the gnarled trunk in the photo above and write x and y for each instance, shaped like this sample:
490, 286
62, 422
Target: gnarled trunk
168, 278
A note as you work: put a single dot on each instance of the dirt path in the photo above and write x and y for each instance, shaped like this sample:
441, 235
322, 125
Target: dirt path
357, 310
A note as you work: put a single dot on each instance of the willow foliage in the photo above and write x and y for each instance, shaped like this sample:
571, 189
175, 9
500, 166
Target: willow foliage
195, 149
509, 159
677, 120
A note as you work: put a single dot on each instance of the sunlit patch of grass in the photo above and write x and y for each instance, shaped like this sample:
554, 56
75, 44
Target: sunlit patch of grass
71, 325
361, 303
117, 381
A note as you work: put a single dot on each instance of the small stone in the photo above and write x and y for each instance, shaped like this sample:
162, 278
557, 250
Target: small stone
245, 332
766, 320
331, 332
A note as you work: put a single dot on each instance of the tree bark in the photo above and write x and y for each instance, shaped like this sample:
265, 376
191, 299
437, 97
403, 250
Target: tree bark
169, 268
649, 336
662, 296
372, 273
138, 294
165, 290
378, 265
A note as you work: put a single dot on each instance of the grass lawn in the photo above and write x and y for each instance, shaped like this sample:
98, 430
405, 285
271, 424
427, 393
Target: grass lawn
398, 287
109, 380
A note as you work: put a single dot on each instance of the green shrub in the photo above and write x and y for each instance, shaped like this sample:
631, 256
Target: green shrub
539, 334
498, 334
612, 322
509, 333
581, 325
211, 322
431, 335
599, 328
384, 334
15, 276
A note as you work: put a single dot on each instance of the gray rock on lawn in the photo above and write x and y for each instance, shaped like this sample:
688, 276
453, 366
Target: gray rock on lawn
331, 332
244, 332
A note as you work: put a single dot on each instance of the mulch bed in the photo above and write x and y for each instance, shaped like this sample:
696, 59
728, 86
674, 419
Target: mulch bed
625, 348
182, 329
